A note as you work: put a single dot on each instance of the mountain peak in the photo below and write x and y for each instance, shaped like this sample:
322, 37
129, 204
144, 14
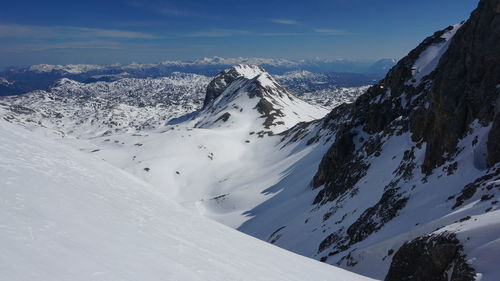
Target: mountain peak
226, 77
248, 71
65, 82
265, 80
244, 93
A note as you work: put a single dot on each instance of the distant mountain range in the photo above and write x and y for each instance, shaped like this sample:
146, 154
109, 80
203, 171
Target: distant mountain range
347, 73
131, 105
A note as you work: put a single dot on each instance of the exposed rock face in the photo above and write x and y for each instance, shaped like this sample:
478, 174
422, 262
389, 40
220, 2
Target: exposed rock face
481, 185
226, 77
430, 258
437, 110
494, 138
464, 87
436, 96
373, 112
369, 222
337, 160
385, 210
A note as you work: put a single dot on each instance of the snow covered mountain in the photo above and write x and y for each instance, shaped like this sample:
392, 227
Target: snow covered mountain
71, 108
42, 76
8, 87
248, 92
319, 65
401, 184
104, 108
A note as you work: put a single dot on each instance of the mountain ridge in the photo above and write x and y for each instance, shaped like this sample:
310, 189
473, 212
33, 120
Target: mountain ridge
40, 77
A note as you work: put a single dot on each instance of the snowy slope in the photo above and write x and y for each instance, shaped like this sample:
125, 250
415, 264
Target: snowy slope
260, 184
429, 59
223, 150
66, 215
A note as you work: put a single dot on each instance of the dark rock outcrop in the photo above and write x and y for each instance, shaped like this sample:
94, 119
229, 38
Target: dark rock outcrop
493, 144
480, 184
370, 221
335, 169
430, 258
384, 211
374, 112
438, 111
464, 86
224, 117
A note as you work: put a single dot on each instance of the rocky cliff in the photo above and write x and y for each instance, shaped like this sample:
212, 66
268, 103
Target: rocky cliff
443, 94
436, 107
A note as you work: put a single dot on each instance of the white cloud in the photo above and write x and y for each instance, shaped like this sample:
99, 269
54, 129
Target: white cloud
80, 45
111, 33
330, 31
285, 21
218, 33
42, 46
207, 34
281, 34
66, 32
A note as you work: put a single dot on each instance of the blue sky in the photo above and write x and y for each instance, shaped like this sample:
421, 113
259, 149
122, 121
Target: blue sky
124, 31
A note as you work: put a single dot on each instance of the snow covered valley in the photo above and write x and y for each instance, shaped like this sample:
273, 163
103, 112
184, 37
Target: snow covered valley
70, 216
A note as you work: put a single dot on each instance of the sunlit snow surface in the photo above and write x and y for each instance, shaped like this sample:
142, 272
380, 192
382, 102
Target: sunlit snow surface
69, 216
430, 57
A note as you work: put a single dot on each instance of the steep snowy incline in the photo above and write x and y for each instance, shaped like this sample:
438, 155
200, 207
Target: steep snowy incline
68, 216
429, 58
